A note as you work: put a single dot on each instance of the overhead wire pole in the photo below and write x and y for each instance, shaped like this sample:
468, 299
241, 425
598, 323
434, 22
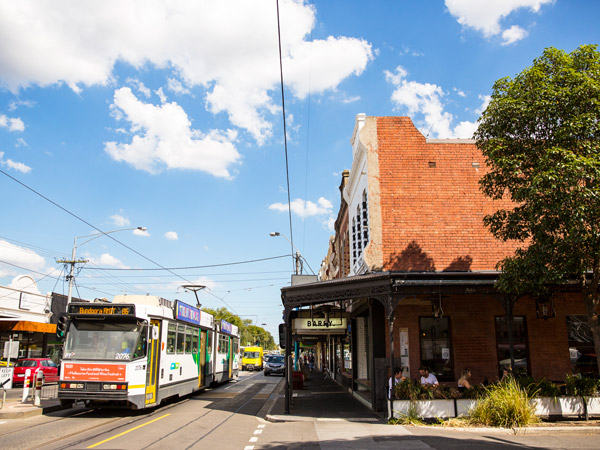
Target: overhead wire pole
287, 172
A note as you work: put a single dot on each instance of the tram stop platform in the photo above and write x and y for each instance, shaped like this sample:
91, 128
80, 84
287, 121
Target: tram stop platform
320, 399
14, 409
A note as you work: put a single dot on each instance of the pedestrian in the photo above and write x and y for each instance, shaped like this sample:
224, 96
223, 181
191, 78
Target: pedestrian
427, 379
397, 378
311, 362
463, 381
506, 373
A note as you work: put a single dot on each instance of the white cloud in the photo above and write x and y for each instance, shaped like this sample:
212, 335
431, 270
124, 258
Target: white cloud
18, 166
163, 138
161, 95
17, 103
20, 142
171, 236
175, 86
228, 48
485, 102
485, 16
107, 260
144, 233
141, 87
305, 208
120, 221
459, 92
424, 100
19, 256
513, 34
13, 124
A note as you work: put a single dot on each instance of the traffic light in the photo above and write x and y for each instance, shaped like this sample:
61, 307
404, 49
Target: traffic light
61, 326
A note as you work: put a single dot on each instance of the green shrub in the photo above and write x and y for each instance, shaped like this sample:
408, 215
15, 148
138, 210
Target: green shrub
578, 385
506, 405
538, 388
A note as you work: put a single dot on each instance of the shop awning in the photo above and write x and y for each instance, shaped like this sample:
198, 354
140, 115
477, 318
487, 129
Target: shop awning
23, 325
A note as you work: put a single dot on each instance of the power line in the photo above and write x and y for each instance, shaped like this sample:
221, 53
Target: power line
287, 172
109, 235
190, 267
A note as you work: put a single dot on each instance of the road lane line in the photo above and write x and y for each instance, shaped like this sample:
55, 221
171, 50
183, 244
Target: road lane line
257, 431
128, 431
253, 439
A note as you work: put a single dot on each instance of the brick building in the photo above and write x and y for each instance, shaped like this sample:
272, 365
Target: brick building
413, 269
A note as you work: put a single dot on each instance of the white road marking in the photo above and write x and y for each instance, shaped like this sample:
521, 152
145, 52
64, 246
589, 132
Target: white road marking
257, 431
253, 439
260, 426
249, 447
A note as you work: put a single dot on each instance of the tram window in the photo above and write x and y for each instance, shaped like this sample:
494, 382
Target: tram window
189, 332
223, 346
171, 338
180, 338
209, 343
194, 347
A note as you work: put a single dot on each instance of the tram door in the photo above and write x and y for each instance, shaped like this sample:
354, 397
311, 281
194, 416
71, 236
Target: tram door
153, 360
202, 359
230, 358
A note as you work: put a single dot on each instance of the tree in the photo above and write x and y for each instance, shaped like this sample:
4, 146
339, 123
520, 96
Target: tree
540, 137
248, 332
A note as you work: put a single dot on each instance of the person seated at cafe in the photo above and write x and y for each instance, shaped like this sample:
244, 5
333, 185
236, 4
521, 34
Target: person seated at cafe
427, 379
397, 378
463, 381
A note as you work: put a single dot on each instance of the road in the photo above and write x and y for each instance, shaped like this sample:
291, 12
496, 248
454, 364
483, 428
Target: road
226, 418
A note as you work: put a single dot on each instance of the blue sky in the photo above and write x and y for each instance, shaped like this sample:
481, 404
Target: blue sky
167, 115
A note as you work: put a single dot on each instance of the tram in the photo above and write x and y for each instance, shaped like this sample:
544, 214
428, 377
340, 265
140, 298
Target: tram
140, 350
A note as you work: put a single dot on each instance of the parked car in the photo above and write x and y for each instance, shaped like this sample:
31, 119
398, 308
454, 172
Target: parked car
46, 365
276, 364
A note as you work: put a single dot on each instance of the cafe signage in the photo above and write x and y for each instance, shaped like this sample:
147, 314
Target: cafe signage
320, 323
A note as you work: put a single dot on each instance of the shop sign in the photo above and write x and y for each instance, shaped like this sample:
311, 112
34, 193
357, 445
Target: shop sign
320, 323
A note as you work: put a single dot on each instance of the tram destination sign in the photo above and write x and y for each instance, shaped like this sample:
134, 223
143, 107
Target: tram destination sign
90, 309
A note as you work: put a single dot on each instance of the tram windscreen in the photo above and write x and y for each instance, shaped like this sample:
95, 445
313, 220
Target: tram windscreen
99, 340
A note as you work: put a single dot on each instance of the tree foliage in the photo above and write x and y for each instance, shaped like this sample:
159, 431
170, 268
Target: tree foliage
540, 137
249, 334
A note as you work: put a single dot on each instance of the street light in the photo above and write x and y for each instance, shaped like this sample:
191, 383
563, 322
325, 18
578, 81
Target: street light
296, 256
73, 261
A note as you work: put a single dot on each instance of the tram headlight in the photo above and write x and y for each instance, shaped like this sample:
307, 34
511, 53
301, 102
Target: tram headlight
113, 387
71, 385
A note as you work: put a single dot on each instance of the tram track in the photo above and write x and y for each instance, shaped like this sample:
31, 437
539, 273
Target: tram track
230, 404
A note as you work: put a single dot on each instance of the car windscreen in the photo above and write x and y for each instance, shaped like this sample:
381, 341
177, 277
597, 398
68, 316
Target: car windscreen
26, 363
101, 340
277, 360
252, 355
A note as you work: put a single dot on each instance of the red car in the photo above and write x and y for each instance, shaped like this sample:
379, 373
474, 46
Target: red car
46, 365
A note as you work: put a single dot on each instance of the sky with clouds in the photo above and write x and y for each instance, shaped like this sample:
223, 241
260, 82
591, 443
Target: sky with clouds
168, 116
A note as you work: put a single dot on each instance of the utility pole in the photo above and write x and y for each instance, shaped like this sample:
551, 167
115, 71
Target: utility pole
71, 275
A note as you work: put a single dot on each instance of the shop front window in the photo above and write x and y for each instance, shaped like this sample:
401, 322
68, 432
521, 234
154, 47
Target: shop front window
347, 357
519, 344
581, 346
435, 347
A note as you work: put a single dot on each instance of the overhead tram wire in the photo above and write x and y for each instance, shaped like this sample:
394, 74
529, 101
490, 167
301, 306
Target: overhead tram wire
190, 267
109, 235
287, 172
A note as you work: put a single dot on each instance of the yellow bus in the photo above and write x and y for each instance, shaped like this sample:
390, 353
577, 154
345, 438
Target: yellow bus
252, 358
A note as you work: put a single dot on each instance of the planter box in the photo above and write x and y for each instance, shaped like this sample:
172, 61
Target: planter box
558, 407
593, 406
463, 406
544, 407
428, 409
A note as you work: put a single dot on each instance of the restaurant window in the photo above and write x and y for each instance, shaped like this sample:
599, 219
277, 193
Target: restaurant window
581, 346
519, 342
435, 347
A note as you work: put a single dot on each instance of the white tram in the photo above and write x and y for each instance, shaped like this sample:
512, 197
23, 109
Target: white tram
139, 350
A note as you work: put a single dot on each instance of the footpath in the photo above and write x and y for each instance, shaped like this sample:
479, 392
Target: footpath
339, 418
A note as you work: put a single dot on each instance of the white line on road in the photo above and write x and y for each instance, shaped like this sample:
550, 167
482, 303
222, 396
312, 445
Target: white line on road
249, 447
253, 439
257, 431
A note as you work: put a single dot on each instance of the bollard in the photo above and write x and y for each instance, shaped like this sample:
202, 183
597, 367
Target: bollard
26, 385
39, 382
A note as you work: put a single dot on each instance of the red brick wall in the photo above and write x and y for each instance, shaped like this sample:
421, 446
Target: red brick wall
432, 216
472, 322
